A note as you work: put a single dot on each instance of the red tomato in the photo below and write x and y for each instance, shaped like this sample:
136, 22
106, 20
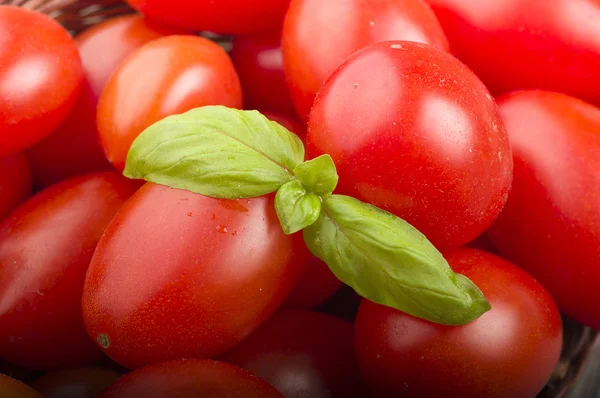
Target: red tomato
289, 123
509, 352
45, 248
15, 183
11, 388
165, 77
303, 354
223, 16
315, 285
190, 378
184, 275
551, 223
75, 383
259, 63
318, 35
40, 77
74, 148
527, 43
418, 135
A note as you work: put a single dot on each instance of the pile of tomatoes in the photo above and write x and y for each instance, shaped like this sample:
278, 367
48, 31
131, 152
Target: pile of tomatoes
474, 121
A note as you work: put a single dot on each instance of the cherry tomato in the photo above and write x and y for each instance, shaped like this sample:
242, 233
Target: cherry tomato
45, 248
418, 135
184, 275
290, 123
40, 77
74, 148
15, 182
75, 383
259, 63
11, 388
190, 378
551, 223
302, 354
164, 77
520, 44
318, 35
223, 16
315, 285
509, 352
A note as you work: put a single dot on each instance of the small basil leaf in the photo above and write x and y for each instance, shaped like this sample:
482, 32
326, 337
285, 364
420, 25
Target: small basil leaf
216, 151
295, 207
388, 261
318, 175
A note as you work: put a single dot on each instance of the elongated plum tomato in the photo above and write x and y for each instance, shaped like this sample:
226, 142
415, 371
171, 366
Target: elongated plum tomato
183, 275
418, 135
302, 354
45, 248
75, 383
12, 388
315, 285
190, 378
40, 77
15, 182
509, 352
311, 26
224, 16
186, 72
551, 223
74, 148
527, 44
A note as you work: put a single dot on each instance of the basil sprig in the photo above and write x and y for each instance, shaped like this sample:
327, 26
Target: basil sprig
228, 153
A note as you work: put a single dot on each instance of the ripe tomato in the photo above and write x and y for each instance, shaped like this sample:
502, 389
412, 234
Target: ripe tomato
318, 35
164, 77
45, 248
184, 275
75, 383
303, 354
190, 378
527, 43
223, 16
551, 223
15, 182
40, 77
509, 352
289, 123
315, 285
74, 148
259, 63
418, 135
11, 388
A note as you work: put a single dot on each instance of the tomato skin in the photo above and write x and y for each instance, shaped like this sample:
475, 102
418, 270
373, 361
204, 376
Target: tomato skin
190, 378
551, 223
174, 298
290, 123
258, 60
74, 148
224, 16
418, 135
187, 72
510, 351
302, 354
40, 77
75, 383
45, 248
308, 32
12, 388
15, 182
554, 48
315, 285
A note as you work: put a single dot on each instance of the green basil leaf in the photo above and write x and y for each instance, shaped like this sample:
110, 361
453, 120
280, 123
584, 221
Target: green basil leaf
295, 207
216, 151
318, 175
388, 261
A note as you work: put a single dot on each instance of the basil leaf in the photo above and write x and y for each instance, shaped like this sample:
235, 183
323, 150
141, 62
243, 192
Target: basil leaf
318, 175
295, 207
216, 151
388, 261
